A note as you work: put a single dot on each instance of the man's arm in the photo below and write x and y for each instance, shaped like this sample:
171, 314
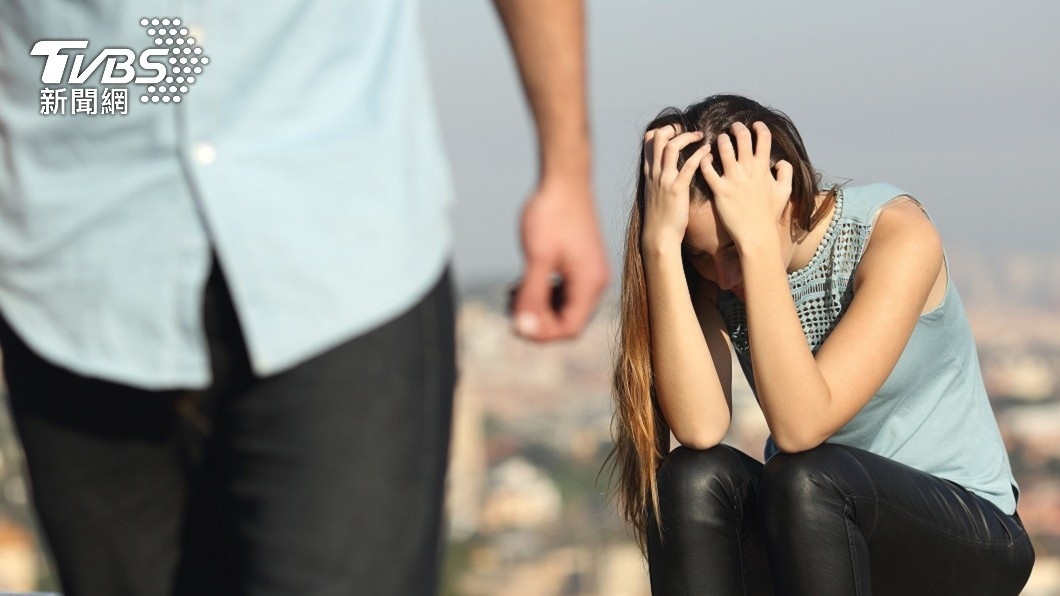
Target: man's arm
560, 234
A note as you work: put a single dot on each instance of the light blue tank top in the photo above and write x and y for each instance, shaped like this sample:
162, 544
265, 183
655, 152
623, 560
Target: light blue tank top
932, 412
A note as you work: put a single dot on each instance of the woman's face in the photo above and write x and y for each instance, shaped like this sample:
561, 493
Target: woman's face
714, 254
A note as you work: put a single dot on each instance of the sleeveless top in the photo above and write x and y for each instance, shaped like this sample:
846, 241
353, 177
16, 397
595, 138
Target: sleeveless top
932, 412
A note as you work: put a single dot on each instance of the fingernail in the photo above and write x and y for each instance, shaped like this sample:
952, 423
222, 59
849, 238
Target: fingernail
526, 323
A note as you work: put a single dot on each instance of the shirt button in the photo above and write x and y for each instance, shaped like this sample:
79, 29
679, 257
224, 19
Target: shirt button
205, 153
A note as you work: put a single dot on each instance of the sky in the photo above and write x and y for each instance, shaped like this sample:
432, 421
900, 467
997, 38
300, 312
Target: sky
955, 102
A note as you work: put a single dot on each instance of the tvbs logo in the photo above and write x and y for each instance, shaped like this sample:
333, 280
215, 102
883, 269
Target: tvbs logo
167, 70
118, 69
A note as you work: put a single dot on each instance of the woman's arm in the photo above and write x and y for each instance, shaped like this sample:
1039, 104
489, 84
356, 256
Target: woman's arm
806, 398
691, 366
690, 352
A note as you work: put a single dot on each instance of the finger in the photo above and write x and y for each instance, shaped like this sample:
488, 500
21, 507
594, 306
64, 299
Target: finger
744, 146
647, 152
706, 165
763, 141
583, 287
663, 134
673, 151
726, 153
533, 316
784, 173
688, 170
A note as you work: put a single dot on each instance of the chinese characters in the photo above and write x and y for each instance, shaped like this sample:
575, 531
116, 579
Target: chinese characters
84, 100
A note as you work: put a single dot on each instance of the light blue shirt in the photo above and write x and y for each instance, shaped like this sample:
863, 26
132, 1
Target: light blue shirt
307, 154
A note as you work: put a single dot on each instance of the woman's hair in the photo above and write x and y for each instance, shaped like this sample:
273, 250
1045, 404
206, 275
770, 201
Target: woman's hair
642, 434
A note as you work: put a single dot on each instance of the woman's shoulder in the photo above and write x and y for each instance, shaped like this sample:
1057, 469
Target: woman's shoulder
862, 204
903, 241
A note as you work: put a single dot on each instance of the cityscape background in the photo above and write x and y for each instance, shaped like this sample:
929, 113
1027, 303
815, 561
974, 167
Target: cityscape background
948, 100
529, 505
530, 512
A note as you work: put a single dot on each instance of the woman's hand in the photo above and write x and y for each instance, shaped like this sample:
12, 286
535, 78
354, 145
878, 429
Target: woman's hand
666, 189
747, 196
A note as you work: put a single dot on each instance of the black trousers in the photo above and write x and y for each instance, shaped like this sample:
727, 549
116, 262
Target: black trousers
832, 521
325, 479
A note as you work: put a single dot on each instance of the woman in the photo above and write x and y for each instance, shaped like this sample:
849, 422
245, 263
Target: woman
885, 469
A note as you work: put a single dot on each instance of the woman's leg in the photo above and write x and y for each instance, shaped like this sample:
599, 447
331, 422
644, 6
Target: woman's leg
710, 542
841, 520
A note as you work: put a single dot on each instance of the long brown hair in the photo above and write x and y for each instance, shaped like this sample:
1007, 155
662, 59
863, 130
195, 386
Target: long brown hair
642, 436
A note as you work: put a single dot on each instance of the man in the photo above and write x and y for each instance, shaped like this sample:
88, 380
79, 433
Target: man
227, 322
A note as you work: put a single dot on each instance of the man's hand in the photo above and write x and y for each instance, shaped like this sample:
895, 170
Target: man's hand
560, 236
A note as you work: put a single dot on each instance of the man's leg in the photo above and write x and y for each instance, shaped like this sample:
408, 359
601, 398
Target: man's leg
107, 473
334, 469
127, 482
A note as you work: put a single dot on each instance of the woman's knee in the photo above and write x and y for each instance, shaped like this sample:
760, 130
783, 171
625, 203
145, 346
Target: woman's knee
805, 481
693, 483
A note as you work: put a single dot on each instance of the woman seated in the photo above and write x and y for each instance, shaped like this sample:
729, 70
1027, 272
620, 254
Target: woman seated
885, 471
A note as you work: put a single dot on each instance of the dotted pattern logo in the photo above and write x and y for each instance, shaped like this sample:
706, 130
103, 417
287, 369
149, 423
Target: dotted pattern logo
186, 60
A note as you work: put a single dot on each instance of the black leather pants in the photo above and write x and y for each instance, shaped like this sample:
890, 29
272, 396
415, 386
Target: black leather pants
831, 521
